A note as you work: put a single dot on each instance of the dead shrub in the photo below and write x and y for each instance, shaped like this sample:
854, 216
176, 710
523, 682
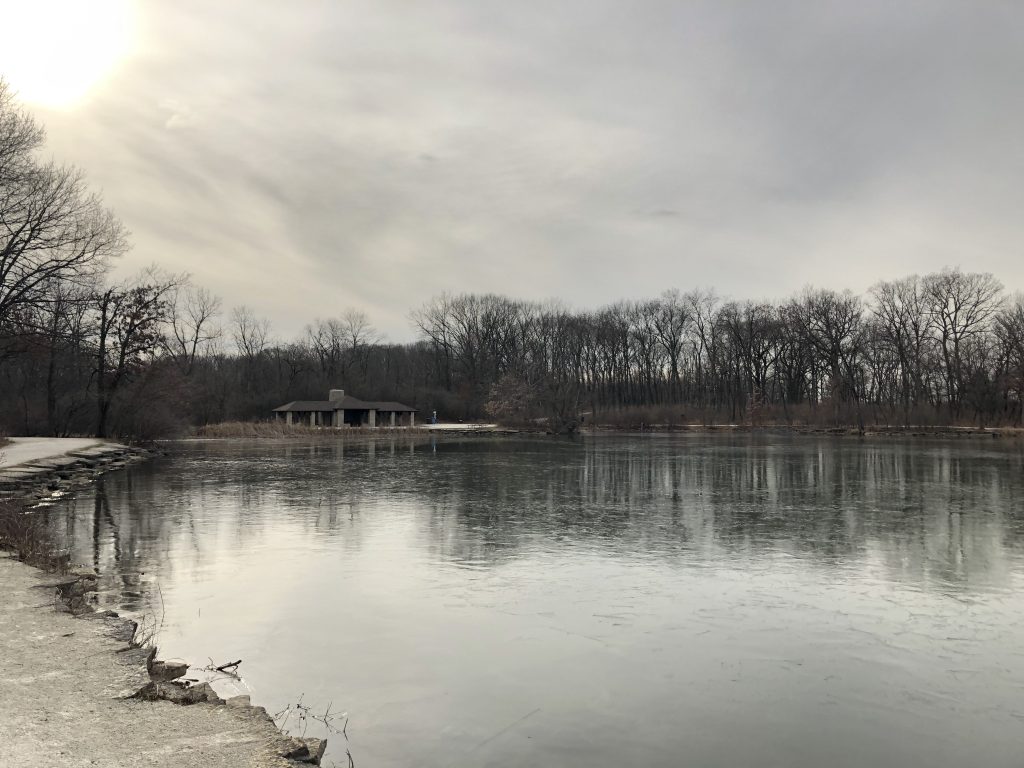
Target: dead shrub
25, 532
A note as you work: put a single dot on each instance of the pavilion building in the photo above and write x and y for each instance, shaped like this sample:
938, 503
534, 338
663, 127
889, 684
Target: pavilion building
341, 410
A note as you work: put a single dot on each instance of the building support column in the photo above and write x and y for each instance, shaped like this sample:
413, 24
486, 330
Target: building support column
288, 418
339, 417
392, 419
412, 418
312, 418
372, 418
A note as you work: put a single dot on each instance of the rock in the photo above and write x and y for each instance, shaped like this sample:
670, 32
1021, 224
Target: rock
261, 714
75, 596
76, 605
56, 562
309, 751
165, 671
239, 702
178, 693
202, 692
79, 586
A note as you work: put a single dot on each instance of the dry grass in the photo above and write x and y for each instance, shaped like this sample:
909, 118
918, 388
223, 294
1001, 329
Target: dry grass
148, 627
277, 429
252, 429
25, 532
801, 417
683, 417
641, 417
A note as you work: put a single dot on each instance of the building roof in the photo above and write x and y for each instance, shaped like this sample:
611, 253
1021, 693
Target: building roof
392, 406
348, 403
307, 405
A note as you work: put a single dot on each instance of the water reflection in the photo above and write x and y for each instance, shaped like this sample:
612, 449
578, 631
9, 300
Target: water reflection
933, 513
737, 599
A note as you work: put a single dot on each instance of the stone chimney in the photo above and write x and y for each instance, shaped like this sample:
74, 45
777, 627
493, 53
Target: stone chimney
336, 394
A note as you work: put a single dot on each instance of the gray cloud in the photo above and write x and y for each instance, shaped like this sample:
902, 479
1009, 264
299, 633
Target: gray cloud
308, 157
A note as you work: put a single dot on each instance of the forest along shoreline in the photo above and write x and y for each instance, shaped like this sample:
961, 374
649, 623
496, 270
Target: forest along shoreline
115, 701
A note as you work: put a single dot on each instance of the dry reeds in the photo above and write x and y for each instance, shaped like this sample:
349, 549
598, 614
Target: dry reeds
25, 532
278, 429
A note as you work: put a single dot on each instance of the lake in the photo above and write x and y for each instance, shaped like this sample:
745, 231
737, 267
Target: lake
648, 600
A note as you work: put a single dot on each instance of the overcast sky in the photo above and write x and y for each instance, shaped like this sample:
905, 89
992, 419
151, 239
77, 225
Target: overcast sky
312, 156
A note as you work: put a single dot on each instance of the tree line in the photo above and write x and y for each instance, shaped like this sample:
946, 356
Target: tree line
82, 353
944, 348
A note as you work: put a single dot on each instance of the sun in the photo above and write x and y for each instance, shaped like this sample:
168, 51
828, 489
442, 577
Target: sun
52, 52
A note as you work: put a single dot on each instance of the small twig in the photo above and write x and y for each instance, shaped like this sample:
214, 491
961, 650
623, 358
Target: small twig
163, 605
230, 669
305, 714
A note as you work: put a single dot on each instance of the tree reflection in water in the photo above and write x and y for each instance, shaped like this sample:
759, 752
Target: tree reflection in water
940, 514
737, 599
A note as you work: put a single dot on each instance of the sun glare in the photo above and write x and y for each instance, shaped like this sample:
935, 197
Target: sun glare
52, 52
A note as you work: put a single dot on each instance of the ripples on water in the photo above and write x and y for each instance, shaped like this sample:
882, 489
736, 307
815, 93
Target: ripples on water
656, 600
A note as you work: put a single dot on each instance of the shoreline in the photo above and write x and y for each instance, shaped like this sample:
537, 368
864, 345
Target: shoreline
50, 476
813, 431
76, 688
491, 430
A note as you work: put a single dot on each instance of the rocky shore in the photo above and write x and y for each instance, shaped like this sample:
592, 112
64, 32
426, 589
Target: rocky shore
40, 478
77, 689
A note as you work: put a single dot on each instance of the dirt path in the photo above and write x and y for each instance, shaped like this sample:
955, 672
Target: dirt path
62, 686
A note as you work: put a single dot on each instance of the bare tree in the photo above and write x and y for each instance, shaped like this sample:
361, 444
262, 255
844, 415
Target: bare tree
130, 333
193, 325
672, 320
340, 342
433, 322
20, 136
1009, 331
905, 324
327, 341
357, 329
69, 329
704, 309
52, 228
831, 323
251, 333
963, 305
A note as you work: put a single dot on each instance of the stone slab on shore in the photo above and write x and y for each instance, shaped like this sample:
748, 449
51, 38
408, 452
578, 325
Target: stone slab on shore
23, 450
33, 468
64, 683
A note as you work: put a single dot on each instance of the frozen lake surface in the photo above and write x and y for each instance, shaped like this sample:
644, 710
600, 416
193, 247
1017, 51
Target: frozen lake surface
657, 600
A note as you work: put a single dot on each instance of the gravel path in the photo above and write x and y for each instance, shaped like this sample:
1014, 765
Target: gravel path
62, 686
25, 449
